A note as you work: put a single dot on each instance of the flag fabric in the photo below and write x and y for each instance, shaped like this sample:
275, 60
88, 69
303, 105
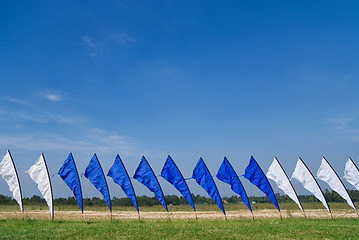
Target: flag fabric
95, 174
9, 174
145, 175
327, 174
68, 173
227, 174
40, 175
120, 176
305, 177
172, 174
256, 176
278, 175
351, 173
204, 179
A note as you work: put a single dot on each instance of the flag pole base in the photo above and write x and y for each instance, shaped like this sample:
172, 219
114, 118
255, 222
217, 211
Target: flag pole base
305, 216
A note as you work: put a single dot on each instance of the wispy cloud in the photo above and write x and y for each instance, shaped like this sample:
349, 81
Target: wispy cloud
54, 96
87, 140
18, 101
104, 43
345, 127
88, 41
44, 117
341, 123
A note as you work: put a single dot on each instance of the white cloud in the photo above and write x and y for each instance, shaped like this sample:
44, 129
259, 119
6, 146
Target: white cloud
88, 41
87, 141
345, 127
18, 101
104, 43
120, 38
45, 117
341, 122
53, 96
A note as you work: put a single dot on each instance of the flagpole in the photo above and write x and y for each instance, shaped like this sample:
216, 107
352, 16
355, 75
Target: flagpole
18, 181
215, 185
78, 177
133, 190
164, 199
317, 186
358, 171
244, 190
108, 190
270, 187
341, 183
291, 186
184, 182
52, 197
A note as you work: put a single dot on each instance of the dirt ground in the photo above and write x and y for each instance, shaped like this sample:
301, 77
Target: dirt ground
119, 215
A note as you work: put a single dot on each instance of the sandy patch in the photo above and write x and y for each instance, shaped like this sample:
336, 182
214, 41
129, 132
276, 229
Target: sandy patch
118, 215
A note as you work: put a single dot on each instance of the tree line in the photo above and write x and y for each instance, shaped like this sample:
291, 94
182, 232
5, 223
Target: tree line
331, 196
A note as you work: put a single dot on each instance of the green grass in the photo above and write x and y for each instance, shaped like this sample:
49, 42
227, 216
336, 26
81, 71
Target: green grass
294, 228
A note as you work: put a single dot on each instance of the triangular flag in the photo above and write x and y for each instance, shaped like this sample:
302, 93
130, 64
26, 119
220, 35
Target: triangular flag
227, 174
145, 175
40, 175
120, 176
172, 174
278, 175
9, 174
351, 173
68, 172
305, 177
95, 174
204, 179
256, 176
327, 174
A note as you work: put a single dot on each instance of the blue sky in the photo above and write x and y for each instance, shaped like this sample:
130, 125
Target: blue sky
185, 78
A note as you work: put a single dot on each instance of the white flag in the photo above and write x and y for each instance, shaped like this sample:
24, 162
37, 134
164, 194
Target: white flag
304, 176
351, 173
9, 174
327, 174
38, 172
277, 174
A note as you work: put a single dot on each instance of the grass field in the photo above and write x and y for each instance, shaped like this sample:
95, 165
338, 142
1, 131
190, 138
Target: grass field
180, 223
293, 228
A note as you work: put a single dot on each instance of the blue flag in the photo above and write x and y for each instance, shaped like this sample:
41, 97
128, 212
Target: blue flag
120, 176
68, 172
227, 174
256, 176
145, 175
95, 174
204, 179
172, 174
